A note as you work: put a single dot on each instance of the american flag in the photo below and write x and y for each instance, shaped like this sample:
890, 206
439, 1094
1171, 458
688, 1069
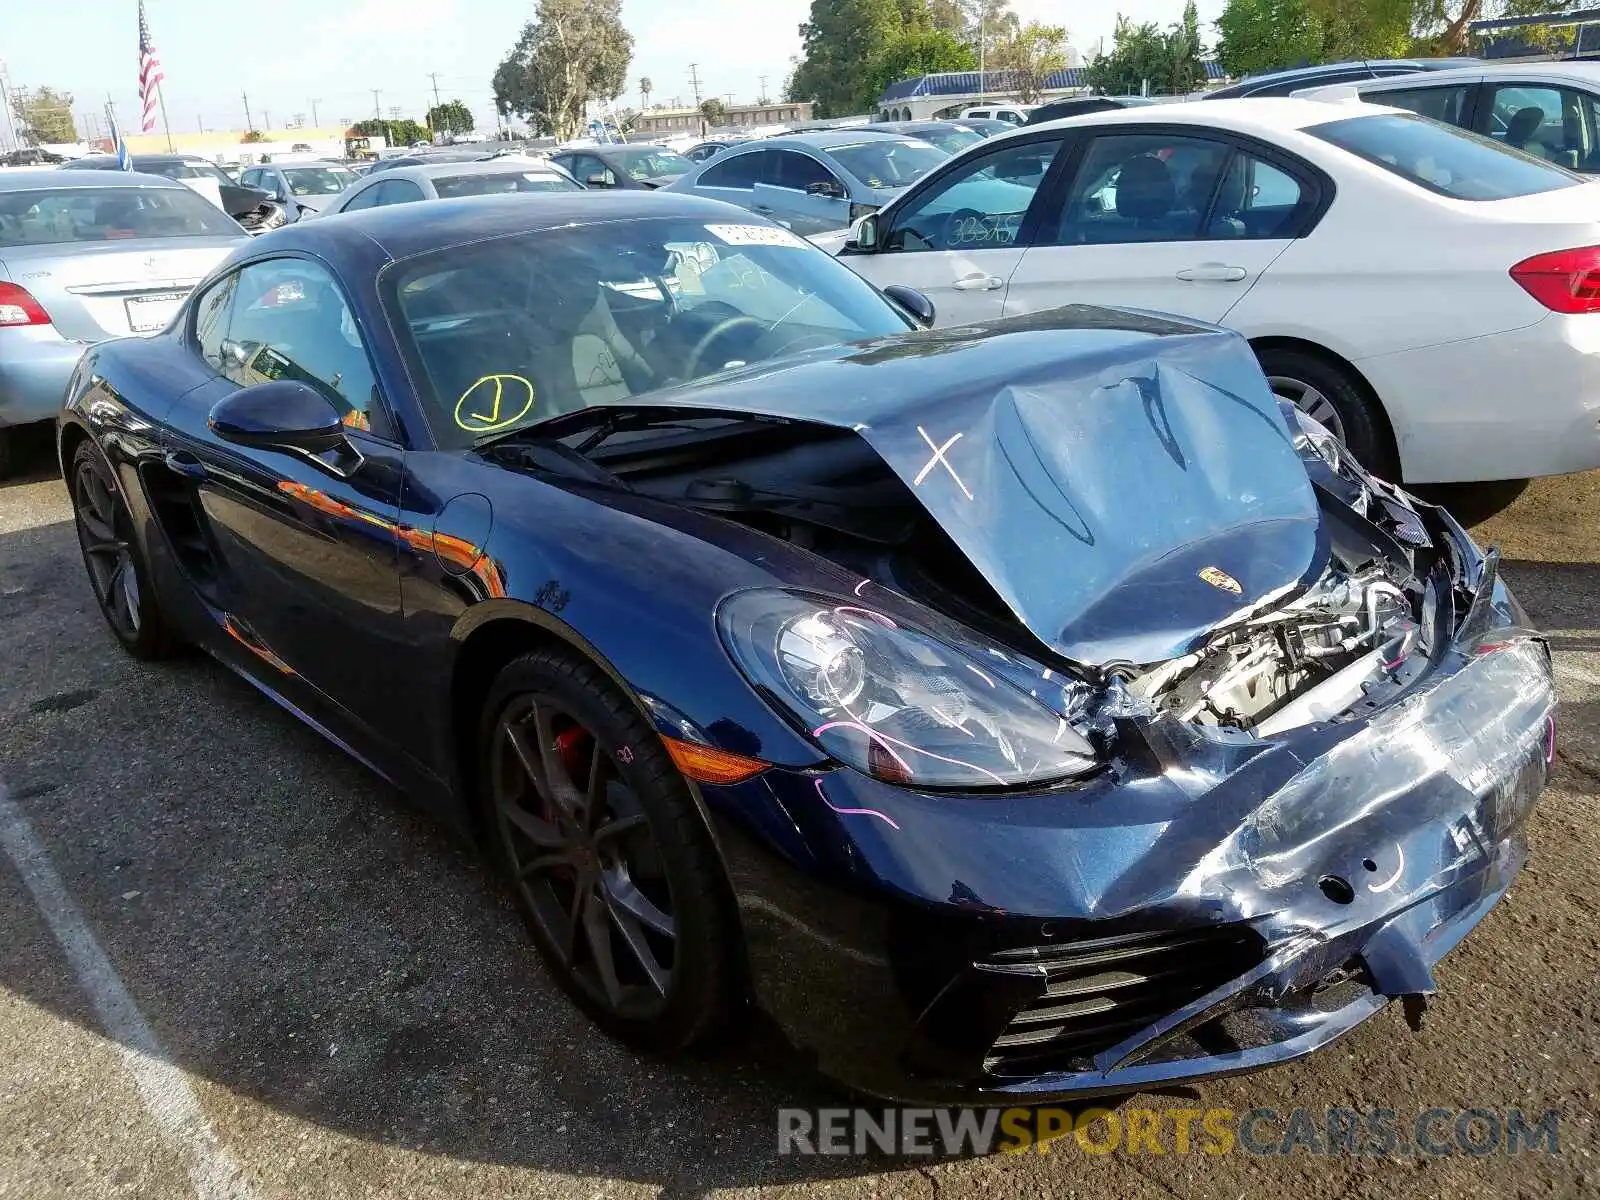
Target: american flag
149, 72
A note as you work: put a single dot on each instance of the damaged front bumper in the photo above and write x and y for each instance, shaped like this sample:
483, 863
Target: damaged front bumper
1234, 908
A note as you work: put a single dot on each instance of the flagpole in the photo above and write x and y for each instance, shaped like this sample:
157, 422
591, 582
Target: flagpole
161, 95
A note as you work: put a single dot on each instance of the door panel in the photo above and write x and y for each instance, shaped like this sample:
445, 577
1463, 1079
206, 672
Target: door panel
959, 238
1156, 220
300, 549
782, 194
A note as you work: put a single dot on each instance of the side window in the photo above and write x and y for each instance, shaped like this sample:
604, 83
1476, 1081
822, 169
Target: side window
291, 322
1255, 200
735, 171
978, 205
1551, 123
211, 310
1142, 187
1447, 104
365, 198
587, 166
397, 191
790, 169
249, 178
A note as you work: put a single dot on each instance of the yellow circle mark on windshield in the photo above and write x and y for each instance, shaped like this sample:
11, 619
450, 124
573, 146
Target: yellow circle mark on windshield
494, 402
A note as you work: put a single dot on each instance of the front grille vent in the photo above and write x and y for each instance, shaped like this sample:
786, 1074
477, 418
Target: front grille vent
1097, 992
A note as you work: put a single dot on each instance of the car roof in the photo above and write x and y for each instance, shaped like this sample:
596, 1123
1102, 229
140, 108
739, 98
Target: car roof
1311, 74
1587, 73
828, 139
1244, 114
489, 166
29, 180
404, 230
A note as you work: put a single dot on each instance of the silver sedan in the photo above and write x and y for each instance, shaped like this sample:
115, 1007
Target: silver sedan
89, 255
448, 180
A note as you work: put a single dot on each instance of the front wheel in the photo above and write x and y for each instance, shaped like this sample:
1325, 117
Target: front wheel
117, 571
609, 859
1328, 394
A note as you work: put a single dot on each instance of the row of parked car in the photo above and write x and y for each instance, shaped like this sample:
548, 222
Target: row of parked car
1397, 277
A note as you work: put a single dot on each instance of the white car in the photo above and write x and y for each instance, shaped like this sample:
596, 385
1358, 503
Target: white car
1547, 109
1431, 296
1015, 114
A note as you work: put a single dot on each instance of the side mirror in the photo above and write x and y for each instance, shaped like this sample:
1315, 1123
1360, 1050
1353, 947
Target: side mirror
914, 302
827, 188
603, 180
281, 415
864, 236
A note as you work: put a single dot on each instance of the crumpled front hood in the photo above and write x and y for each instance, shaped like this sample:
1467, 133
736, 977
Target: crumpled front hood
1124, 481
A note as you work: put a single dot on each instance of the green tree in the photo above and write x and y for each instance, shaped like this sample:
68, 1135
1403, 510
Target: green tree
918, 52
1030, 54
714, 113
1167, 61
397, 133
1441, 26
842, 40
45, 115
1259, 35
646, 86
450, 117
573, 51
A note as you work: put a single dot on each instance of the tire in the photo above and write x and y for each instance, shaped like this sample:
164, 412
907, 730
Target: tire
111, 556
592, 899
1331, 394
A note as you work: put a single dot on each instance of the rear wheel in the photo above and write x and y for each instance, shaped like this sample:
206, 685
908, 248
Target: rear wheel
609, 859
1329, 394
116, 569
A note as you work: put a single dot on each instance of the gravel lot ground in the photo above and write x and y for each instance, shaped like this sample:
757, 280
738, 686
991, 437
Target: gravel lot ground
325, 997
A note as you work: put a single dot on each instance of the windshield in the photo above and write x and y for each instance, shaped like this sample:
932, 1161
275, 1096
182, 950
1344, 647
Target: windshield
886, 163
513, 330
1449, 161
59, 215
318, 181
651, 163
502, 183
184, 169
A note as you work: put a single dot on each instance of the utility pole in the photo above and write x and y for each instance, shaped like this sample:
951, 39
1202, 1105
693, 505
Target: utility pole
762, 98
266, 118
314, 112
694, 82
983, 45
434, 75
376, 111
249, 122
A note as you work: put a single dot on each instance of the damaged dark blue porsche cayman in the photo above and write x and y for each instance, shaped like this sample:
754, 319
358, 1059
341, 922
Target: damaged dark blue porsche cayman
1011, 711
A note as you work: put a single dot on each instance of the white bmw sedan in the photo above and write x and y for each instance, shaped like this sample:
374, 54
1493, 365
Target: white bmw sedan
1431, 296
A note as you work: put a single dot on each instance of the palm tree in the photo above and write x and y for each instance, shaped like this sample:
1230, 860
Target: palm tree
645, 88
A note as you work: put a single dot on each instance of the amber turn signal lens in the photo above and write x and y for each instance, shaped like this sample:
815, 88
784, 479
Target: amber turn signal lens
708, 765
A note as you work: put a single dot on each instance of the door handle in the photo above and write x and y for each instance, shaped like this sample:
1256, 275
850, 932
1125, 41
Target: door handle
181, 462
1212, 273
978, 283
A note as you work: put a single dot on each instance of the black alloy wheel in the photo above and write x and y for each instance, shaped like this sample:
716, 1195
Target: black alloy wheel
116, 571
1329, 394
609, 859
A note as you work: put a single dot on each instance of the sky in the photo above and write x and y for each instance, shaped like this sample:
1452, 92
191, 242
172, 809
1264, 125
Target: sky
334, 52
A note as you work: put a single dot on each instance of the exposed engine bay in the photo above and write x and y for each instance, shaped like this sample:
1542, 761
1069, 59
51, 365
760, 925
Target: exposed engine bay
1306, 654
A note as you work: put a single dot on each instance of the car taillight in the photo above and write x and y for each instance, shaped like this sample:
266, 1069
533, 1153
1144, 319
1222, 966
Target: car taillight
1564, 281
17, 307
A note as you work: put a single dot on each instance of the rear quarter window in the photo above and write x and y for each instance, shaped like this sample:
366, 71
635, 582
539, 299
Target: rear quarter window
1445, 161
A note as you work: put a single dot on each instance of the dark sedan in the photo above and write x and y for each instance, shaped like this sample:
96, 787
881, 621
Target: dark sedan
1024, 709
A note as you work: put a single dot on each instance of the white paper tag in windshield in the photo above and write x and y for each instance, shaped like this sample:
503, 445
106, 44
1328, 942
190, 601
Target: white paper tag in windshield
754, 235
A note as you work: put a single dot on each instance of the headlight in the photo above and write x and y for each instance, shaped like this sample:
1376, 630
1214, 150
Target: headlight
273, 216
892, 701
1314, 439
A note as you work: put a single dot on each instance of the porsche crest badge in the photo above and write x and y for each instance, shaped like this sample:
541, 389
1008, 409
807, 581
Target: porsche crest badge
1218, 578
